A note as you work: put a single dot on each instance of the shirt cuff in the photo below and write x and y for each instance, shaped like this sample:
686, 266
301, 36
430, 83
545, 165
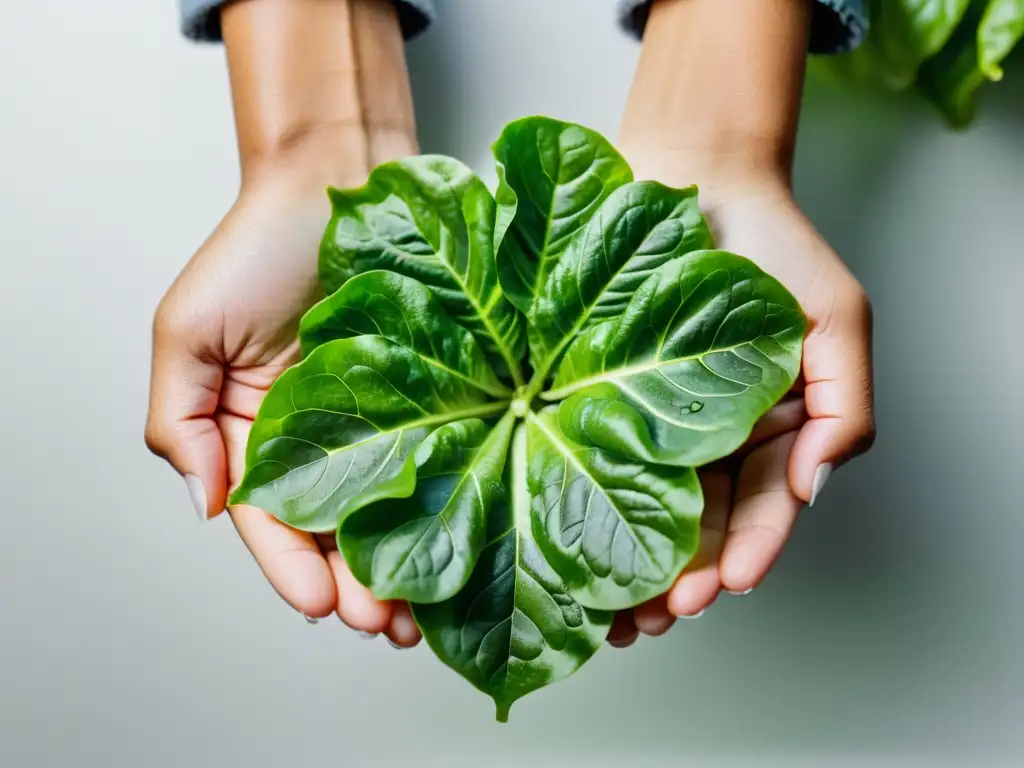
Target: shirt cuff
837, 26
200, 19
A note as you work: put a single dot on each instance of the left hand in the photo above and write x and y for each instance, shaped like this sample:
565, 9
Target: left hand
752, 499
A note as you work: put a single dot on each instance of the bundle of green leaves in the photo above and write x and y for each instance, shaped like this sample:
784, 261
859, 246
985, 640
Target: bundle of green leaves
502, 399
947, 49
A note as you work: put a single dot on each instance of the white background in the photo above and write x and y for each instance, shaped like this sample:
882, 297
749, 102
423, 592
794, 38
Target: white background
131, 635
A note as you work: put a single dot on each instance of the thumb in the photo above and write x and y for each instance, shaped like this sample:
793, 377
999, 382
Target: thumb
184, 394
839, 398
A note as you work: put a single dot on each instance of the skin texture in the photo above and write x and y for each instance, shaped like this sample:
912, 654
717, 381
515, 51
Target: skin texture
726, 120
715, 102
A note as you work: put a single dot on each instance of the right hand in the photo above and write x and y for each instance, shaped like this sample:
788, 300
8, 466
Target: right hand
223, 333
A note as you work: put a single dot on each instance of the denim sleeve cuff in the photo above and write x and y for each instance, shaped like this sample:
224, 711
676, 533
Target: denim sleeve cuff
836, 25
200, 19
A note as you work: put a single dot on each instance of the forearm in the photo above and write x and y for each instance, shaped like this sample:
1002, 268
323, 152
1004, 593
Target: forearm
320, 87
718, 87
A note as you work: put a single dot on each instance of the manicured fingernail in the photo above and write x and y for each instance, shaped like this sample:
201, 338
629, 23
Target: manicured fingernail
197, 494
396, 646
820, 476
367, 635
740, 594
696, 615
311, 619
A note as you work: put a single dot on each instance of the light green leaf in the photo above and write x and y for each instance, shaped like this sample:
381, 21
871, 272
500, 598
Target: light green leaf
405, 311
336, 431
423, 548
618, 532
431, 219
637, 229
707, 345
513, 628
552, 177
974, 55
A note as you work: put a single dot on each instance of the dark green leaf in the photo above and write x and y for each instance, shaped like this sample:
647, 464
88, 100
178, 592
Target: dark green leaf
640, 227
431, 219
513, 629
617, 532
552, 177
706, 347
336, 431
405, 311
424, 548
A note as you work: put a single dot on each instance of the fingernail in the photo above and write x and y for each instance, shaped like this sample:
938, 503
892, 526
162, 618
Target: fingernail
739, 594
396, 646
366, 635
820, 476
311, 619
696, 615
197, 494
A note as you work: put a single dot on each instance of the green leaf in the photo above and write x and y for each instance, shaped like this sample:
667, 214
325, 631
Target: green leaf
903, 34
973, 56
423, 548
640, 227
336, 431
513, 629
1001, 28
552, 178
707, 345
405, 311
431, 219
618, 532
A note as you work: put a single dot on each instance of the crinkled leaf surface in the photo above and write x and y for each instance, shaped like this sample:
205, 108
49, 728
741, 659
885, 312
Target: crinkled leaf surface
514, 628
552, 178
637, 229
408, 313
423, 548
707, 345
618, 532
336, 431
431, 219
514, 528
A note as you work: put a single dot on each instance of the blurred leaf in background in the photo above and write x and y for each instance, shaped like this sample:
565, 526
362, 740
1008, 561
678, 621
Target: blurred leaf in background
944, 49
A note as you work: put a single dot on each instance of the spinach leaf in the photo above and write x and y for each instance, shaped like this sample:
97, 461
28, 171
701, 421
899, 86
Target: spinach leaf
640, 227
515, 515
336, 431
618, 532
552, 177
423, 548
514, 628
706, 346
431, 219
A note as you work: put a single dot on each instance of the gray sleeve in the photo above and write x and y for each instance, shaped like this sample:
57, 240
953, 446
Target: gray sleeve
200, 19
836, 26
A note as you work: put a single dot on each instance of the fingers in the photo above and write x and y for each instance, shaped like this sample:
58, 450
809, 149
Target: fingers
356, 606
183, 400
700, 583
653, 617
290, 559
838, 396
762, 518
623, 632
402, 631
788, 416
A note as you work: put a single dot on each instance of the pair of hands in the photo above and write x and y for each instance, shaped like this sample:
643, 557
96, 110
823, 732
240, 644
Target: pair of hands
227, 329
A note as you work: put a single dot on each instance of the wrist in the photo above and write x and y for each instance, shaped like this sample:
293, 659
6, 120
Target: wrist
320, 89
718, 89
